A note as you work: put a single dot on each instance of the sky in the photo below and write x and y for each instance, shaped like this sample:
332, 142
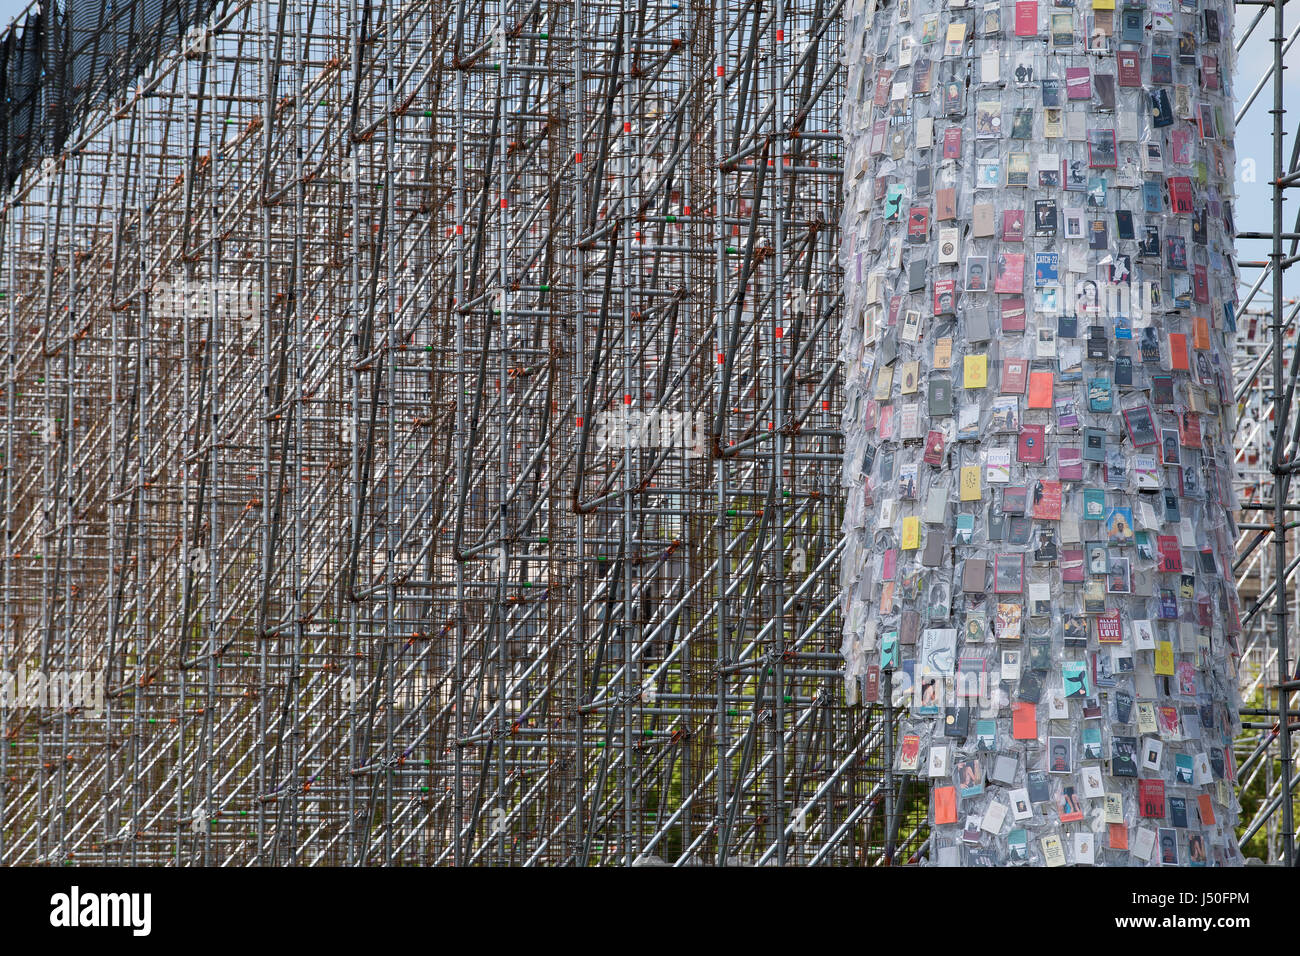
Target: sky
1253, 141
1254, 211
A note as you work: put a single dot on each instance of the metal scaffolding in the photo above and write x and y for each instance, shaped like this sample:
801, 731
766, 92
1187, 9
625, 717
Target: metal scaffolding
426, 416
1268, 427
424, 419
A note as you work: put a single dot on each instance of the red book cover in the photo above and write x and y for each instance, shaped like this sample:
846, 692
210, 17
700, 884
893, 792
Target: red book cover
1130, 70
1167, 719
1047, 500
1070, 464
1011, 273
1013, 225
1040, 390
1200, 285
1026, 18
1072, 565
1206, 806
1013, 314
878, 131
882, 88
1015, 372
1151, 799
945, 296
934, 448
1118, 836
1210, 72
1024, 721
952, 142
1189, 430
1180, 146
1178, 352
1171, 556
1078, 83
873, 684
918, 223
945, 805
1180, 195
1109, 628
1200, 331
1031, 446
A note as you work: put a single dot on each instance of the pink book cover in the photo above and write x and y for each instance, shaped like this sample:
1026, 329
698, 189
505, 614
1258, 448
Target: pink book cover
1011, 273
1026, 18
1078, 84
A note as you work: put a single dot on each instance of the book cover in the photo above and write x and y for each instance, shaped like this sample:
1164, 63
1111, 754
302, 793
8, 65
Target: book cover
1013, 225
1040, 390
1026, 18
1015, 373
1078, 83
1031, 447
1012, 314
1130, 72
1011, 273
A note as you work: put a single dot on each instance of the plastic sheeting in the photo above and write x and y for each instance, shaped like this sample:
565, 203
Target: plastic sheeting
63, 58
1040, 290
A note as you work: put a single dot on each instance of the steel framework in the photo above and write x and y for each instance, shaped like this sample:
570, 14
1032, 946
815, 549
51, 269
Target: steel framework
425, 418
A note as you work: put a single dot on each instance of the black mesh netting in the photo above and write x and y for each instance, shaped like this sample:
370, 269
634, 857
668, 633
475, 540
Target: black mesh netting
64, 58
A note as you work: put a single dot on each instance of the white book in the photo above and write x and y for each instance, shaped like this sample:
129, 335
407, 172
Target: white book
1144, 843
1076, 125
925, 132
1126, 124
993, 817
1083, 847
938, 762
990, 66
1021, 808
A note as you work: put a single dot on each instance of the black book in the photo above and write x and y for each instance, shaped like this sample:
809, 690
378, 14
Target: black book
1123, 707
1123, 371
1031, 687
1044, 217
956, 721
1040, 654
1036, 784
1162, 111
1178, 811
1123, 756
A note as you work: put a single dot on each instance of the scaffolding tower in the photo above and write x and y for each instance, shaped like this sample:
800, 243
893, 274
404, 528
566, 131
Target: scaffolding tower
425, 417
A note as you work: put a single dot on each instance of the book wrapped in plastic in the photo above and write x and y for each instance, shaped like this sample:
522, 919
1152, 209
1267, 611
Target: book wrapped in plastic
1040, 301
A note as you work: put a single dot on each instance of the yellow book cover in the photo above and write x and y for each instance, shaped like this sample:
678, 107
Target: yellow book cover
1053, 854
911, 376
955, 39
911, 534
975, 371
943, 353
884, 382
1147, 718
1165, 658
970, 483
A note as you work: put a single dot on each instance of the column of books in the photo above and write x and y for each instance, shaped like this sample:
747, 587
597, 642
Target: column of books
1040, 290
